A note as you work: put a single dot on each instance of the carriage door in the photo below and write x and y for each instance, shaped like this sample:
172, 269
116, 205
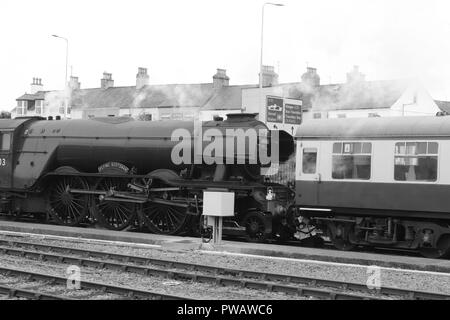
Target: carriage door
308, 176
6, 158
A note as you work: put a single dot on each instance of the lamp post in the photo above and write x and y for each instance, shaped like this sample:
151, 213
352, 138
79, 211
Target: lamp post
262, 46
67, 60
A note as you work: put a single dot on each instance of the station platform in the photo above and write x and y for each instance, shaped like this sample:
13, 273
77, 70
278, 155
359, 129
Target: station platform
233, 247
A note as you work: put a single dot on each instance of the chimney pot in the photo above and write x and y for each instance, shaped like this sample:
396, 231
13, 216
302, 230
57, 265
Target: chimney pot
141, 78
74, 84
310, 77
355, 75
269, 76
36, 85
107, 81
220, 79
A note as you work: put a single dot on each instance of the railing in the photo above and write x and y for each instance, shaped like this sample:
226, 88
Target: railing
285, 174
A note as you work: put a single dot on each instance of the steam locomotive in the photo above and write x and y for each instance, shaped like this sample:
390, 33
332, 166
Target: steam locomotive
119, 173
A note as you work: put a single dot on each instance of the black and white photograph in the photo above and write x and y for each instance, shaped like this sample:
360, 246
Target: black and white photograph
236, 157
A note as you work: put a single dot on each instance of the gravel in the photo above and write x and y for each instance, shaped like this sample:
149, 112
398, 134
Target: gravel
421, 281
182, 288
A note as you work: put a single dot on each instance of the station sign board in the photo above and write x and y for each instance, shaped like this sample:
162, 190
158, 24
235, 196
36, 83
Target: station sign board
274, 109
292, 113
283, 110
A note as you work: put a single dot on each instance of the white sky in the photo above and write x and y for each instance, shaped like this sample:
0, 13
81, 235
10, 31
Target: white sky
185, 41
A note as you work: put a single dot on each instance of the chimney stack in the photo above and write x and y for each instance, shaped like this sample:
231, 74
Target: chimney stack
310, 77
36, 86
355, 76
269, 76
220, 79
74, 84
107, 81
141, 78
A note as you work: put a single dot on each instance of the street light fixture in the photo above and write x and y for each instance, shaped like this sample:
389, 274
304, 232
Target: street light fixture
67, 60
262, 45
262, 38
67, 53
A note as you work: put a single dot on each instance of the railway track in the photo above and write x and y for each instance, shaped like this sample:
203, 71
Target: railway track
99, 288
295, 285
15, 292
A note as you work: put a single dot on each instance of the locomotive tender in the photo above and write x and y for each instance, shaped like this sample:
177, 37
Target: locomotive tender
119, 173
376, 182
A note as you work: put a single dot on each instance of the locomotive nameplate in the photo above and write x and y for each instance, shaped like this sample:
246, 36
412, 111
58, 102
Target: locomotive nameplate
113, 165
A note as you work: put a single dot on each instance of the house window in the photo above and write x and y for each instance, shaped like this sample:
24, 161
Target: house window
165, 116
21, 107
416, 161
342, 115
6, 142
309, 160
373, 115
317, 115
351, 160
39, 107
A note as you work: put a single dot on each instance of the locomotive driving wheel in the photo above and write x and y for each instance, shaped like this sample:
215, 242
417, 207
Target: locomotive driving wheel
255, 226
442, 249
340, 234
113, 215
165, 219
65, 207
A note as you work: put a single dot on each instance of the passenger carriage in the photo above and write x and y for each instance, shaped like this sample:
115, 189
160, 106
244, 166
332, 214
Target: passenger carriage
376, 182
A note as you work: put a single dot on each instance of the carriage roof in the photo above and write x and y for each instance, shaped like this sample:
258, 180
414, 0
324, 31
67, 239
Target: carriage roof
381, 128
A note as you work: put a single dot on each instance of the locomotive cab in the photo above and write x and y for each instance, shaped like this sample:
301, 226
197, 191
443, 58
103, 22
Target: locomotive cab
10, 131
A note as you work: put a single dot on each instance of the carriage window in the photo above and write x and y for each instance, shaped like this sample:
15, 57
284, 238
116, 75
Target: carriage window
416, 161
6, 142
309, 160
352, 160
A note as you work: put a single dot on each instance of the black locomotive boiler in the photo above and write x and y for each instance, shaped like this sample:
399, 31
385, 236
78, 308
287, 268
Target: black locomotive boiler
119, 173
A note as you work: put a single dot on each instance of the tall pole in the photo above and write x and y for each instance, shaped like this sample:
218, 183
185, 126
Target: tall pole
65, 79
67, 58
262, 48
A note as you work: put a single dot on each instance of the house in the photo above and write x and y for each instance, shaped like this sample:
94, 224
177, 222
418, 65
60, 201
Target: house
31, 103
360, 98
143, 101
282, 106
357, 97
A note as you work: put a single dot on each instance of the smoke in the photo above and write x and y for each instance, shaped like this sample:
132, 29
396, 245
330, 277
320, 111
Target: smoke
360, 95
56, 100
181, 98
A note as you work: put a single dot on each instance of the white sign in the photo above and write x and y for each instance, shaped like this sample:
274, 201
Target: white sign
218, 204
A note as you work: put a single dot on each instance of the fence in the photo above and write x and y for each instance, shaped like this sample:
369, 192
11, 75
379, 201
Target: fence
285, 174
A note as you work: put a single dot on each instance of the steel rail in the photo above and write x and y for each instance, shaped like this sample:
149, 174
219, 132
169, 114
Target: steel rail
217, 271
104, 287
201, 278
29, 294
